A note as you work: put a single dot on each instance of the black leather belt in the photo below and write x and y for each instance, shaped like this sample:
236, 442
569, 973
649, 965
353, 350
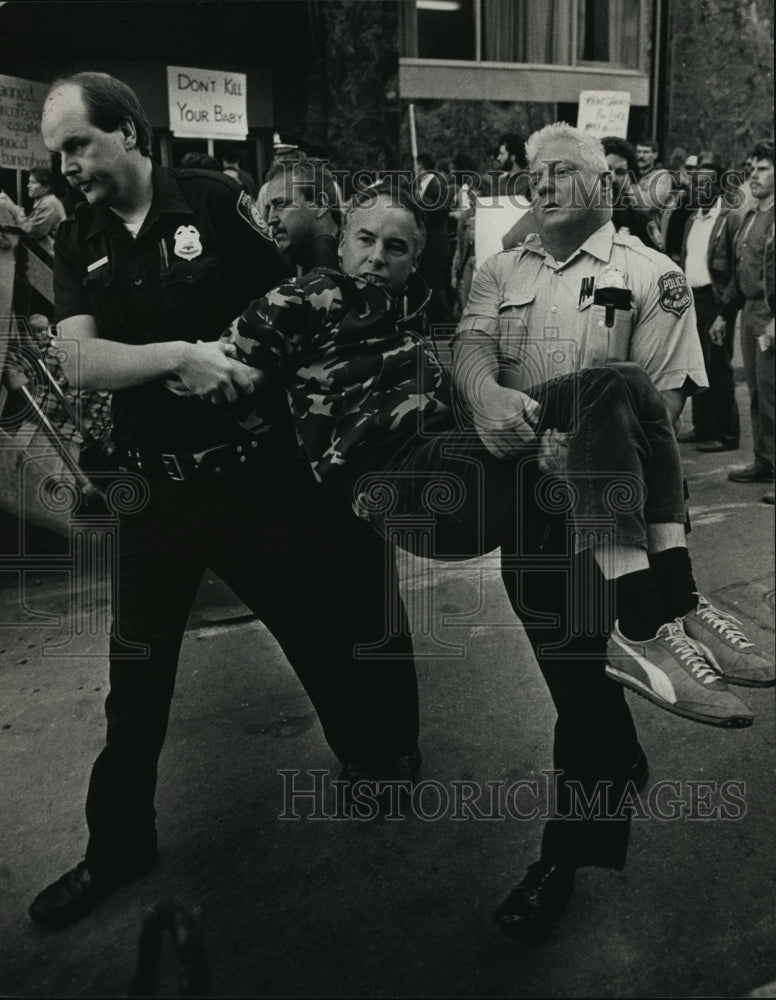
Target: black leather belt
185, 468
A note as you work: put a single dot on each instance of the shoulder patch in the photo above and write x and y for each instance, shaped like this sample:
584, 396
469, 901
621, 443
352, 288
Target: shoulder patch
675, 294
249, 211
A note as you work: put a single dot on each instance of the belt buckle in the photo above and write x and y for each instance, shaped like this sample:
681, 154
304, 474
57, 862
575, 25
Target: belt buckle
173, 468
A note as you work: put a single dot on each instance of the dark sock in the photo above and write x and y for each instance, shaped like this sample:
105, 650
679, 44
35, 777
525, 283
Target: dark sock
640, 608
672, 569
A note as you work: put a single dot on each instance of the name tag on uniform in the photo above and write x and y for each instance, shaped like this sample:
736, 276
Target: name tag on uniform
96, 264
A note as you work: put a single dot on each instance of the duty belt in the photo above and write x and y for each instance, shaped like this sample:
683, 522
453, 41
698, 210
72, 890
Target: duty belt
184, 468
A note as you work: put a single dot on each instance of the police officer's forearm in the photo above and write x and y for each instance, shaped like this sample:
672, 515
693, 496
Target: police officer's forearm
476, 366
110, 366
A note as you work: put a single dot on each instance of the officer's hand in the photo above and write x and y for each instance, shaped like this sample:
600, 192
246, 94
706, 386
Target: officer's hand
207, 371
505, 421
255, 376
717, 331
176, 387
553, 452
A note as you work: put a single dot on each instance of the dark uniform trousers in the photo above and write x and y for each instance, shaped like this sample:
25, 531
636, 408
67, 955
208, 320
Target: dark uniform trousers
315, 575
622, 436
595, 743
317, 581
715, 411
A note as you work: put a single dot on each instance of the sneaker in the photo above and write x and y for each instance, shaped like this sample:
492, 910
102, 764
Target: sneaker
727, 648
671, 671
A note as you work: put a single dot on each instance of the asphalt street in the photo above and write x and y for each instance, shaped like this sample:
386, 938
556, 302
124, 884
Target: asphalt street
391, 907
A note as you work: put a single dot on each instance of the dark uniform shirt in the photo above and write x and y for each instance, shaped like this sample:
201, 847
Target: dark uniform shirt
201, 255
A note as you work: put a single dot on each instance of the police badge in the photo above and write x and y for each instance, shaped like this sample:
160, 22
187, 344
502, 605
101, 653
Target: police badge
188, 243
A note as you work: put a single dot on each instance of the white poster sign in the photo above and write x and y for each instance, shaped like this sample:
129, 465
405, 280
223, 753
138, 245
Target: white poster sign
21, 103
207, 103
494, 217
604, 112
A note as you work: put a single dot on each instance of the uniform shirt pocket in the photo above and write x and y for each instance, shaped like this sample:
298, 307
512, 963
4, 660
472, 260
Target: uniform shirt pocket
513, 315
604, 343
187, 272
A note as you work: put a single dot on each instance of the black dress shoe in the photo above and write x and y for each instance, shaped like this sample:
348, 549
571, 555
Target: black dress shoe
688, 437
532, 908
711, 446
75, 894
750, 474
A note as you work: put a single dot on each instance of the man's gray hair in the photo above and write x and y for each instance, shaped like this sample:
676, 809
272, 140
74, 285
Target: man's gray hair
591, 152
400, 194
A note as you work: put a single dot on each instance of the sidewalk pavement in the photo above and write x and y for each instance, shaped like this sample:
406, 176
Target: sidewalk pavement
324, 907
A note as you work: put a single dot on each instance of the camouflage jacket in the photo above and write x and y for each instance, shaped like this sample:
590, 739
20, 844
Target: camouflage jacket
359, 375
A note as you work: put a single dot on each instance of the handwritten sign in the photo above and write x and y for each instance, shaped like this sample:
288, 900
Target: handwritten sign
21, 103
207, 103
604, 112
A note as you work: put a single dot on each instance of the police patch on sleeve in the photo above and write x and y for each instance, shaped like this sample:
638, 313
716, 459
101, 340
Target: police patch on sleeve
249, 210
675, 294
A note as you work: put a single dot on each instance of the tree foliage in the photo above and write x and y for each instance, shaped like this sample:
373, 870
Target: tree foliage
361, 77
445, 128
720, 80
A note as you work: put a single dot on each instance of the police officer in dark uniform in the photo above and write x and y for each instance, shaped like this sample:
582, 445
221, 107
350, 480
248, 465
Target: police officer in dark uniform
147, 273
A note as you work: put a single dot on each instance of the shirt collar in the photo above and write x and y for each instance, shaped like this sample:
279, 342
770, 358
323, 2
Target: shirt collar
712, 213
167, 199
598, 245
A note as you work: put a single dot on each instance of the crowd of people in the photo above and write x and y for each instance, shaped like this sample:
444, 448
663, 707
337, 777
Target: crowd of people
276, 388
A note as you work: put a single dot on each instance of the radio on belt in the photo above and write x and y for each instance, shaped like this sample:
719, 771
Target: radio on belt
610, 292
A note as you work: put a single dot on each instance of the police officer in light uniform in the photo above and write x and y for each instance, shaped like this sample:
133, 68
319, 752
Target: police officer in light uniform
576, 295
147, 274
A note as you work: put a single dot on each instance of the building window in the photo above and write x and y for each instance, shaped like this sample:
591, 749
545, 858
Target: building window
608, 31
528, 31
438, 29
446, 29
544, 32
